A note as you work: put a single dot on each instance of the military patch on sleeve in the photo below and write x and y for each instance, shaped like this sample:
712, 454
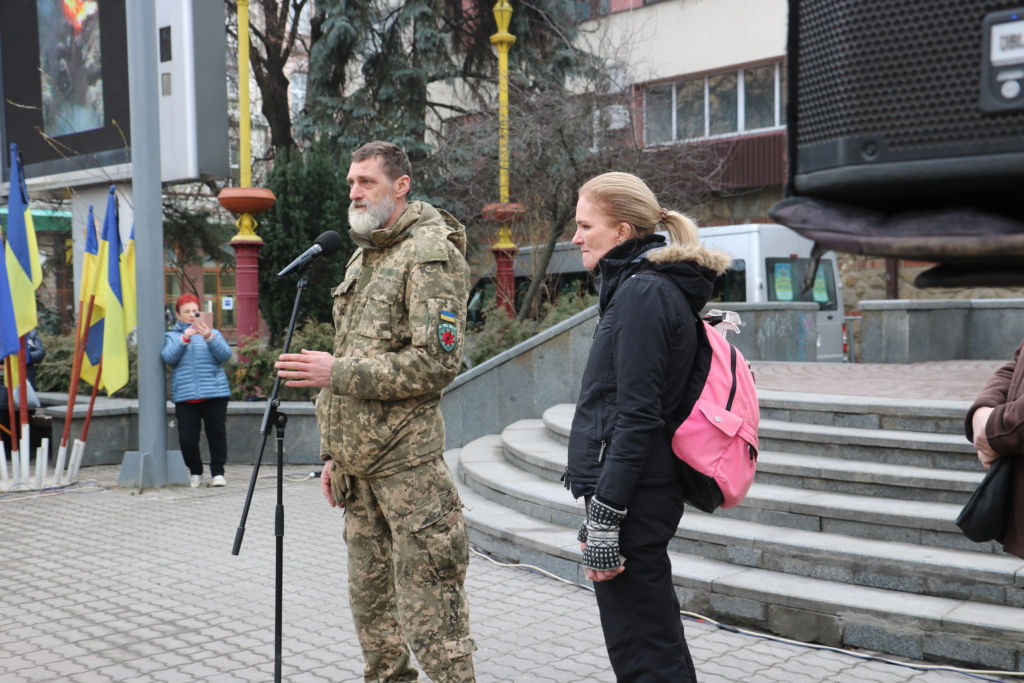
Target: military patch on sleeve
446, 332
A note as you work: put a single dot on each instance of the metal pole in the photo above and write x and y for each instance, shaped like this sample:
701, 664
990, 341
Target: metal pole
143, 86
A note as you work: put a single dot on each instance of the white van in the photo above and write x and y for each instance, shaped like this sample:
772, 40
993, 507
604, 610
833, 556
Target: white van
769, 262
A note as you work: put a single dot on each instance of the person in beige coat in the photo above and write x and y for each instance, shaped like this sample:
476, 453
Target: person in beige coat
995, 424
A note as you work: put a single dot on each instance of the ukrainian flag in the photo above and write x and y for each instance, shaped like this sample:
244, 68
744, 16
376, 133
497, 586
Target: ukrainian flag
115, 346
131, 304
90, 278
24, 269
9, 342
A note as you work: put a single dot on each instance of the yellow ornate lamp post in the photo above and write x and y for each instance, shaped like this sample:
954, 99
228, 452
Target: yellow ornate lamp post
246, 200
503, 212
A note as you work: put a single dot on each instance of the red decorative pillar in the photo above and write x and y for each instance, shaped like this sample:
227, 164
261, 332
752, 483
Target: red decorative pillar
247, 287
247, 201
505, 214
505, 276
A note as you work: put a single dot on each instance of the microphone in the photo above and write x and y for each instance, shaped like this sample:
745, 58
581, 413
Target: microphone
325, 245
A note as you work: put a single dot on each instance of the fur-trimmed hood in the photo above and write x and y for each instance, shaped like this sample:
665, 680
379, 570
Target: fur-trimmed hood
693, 268
705, 257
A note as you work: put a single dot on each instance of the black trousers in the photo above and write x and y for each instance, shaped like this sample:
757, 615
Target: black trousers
214, 413
639, 608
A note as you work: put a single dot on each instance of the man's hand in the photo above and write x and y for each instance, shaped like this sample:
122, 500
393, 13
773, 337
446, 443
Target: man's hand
306, 369
325, 483
986, 455
595, 575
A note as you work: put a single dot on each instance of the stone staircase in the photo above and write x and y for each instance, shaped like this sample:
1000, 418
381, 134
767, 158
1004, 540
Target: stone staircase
846, 538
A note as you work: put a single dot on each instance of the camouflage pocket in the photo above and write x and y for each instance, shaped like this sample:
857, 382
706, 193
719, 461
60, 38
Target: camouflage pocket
377, 319
363, 429
440, 529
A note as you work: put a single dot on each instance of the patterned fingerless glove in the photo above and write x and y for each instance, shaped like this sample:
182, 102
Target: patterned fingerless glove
601, 533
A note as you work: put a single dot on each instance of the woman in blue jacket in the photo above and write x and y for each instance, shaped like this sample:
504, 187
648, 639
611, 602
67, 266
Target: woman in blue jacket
199, 388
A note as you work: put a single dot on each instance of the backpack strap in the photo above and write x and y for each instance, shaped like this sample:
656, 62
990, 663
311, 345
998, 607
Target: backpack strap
732, 364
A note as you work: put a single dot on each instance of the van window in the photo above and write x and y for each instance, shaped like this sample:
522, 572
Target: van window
786, 279
732, 284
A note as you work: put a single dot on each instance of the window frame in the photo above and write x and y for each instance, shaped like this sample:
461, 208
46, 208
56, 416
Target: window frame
740, 105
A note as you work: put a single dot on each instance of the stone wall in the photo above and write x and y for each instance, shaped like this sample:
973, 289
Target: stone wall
547, 369
115, 429
906, 331
864, 279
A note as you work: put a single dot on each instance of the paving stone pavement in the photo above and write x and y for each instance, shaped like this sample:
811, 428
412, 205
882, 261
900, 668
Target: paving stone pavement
951, 380
103, 585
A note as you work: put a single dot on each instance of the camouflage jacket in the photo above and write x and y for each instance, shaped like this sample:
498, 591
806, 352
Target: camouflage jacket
400, 317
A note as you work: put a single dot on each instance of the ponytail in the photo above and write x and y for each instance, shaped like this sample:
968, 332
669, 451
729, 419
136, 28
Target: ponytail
681, 230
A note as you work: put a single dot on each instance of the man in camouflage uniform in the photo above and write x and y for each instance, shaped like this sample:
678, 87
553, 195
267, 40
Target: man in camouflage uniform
400, 315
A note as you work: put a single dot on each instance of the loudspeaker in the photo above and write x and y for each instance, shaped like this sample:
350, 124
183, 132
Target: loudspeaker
902, 105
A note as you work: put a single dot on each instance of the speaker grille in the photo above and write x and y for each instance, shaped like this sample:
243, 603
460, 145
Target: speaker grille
905, 71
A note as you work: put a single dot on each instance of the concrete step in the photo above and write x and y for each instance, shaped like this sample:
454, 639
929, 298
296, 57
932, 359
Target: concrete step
922, 522
532, 446
893, 446
800, 607
911, 567
919, 415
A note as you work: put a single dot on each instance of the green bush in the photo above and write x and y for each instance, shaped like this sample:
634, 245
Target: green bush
254, 379
54, 373
499, 332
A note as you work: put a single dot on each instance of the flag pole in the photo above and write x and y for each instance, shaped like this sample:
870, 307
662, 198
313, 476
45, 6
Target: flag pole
15, 432
79, 447
23, 380
92, 402
81, 339
26, 450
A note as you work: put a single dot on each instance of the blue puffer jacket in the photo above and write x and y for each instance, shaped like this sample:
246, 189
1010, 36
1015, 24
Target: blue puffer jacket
198, 371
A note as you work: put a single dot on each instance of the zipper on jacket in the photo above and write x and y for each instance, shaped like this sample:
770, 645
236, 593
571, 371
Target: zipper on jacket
600, 454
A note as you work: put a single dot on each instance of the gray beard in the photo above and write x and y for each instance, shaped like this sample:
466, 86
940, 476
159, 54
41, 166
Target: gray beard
373, 217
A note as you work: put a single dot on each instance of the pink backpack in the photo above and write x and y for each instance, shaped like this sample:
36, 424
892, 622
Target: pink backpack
717, 443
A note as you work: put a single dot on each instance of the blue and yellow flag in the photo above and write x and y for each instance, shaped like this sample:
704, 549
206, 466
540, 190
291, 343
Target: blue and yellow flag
24, 269
9, 342
131, 304
90, 278
115, 345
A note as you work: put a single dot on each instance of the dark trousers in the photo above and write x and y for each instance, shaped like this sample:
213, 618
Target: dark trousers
214, 413
639, 608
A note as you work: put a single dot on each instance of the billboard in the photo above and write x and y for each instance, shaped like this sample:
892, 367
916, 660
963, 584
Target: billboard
64, 71
64, 84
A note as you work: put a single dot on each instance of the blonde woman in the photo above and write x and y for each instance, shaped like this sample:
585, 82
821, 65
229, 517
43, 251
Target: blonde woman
636, 389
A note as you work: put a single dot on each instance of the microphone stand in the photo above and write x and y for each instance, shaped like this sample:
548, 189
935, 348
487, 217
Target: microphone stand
273, 416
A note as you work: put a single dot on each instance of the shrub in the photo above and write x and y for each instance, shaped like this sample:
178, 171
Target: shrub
54, 373
254, 379
499, 332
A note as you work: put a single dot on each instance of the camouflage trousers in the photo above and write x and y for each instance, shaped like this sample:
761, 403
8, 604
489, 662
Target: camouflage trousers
408, 551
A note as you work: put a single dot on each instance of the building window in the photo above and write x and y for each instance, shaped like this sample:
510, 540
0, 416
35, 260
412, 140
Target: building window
218, 296
730, 103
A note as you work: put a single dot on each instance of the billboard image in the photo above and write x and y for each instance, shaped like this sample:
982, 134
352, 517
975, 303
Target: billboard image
70, 66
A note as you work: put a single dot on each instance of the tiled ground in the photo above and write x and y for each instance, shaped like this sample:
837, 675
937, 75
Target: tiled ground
953, 380
109, 586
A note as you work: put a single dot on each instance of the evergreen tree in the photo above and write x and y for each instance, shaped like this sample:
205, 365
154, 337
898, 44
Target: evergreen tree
371, 64
312, 197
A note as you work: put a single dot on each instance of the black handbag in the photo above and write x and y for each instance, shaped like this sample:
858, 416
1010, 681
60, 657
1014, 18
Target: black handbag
987, 513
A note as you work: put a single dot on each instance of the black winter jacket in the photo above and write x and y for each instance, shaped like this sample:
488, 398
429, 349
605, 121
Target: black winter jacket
637, 376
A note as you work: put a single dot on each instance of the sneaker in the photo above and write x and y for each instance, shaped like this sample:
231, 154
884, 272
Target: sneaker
195, 480
219, 480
